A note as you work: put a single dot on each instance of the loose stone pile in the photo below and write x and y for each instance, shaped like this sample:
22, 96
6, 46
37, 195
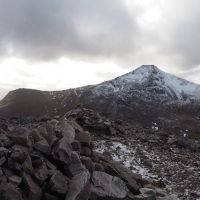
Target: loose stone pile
53, 159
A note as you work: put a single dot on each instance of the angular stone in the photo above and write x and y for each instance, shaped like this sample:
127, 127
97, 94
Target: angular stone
3, 151
5, 141
50, 165
161, 195
59, 183
43, 147
15, 180
31, 189
75, 166
86, 151
43, 132
36, 135
88, 163
41, 173
76, 146
2, 160
144, 197
20, 136
10, 192
62, 151
67, 131
79, 187
83, 137
148, 193
53, 122
48, 196
105, 185
14, 165
8, 172
19, 153
98, 167
118, 170
27, 165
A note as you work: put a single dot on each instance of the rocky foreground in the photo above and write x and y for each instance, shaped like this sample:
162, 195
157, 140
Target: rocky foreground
54, 159
168, 160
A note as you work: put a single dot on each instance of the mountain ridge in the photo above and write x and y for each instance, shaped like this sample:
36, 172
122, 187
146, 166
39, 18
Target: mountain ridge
143, 95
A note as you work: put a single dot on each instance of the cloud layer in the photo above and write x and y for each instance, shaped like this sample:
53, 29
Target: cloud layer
125, 33
49, 29
163, 32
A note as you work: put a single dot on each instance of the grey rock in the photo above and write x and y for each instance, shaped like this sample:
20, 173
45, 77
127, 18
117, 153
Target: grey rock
9, 192
105, 185
62, 151
31, 189
83, 137
2, 160
19, 153
75, 167
15, 180
20, 136
59, 183
41, 173
79, 187
43, 147
27, 165
5, 141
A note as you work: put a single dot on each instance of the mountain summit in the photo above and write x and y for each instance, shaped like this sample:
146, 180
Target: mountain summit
148, 81
142, 95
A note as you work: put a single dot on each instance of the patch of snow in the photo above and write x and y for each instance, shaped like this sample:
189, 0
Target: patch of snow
125, 154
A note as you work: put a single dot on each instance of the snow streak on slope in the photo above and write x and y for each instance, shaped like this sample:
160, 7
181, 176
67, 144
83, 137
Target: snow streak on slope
126, 155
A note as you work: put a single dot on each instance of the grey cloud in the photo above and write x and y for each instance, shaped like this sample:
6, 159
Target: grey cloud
3, 93
49, 29
106, 75
102, 29
178, 34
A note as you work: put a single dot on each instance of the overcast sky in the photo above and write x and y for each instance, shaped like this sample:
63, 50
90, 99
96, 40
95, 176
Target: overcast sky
52, 45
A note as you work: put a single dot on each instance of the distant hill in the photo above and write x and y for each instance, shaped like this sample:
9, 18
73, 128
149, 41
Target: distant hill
144, 96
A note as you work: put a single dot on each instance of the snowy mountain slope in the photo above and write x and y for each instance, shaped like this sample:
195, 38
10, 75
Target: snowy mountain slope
150, 78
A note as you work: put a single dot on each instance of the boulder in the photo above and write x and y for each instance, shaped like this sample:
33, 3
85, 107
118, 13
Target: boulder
127, 175
87, 162
35, 135
15, 180
86, 151
41, 173
14, 165
75, 167
43, 146
31, 189
62, 151
20, 136
76, 146
2, 160
83, 137
66, 130
10, 192
48, 196
105, 185
19, 153
5, 141
3, 152
27, 165
59, 183
79, 187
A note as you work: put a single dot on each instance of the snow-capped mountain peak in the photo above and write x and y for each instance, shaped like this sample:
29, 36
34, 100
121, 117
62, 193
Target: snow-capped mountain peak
147, 81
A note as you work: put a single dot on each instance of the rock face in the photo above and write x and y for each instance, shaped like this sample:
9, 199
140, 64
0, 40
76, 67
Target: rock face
54, 159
